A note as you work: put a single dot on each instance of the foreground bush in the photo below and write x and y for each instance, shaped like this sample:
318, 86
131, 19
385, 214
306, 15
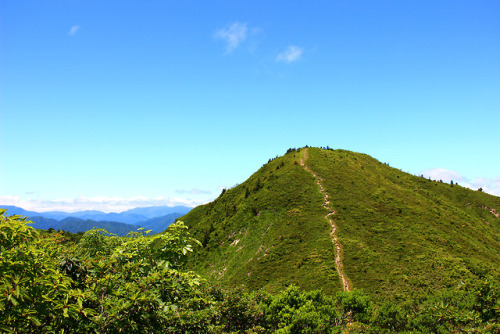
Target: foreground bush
103, 284
34, 295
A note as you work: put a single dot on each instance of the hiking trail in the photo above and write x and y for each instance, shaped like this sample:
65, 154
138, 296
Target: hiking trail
338, 261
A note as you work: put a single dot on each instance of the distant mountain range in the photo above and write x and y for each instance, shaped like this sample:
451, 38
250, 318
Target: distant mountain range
156, 218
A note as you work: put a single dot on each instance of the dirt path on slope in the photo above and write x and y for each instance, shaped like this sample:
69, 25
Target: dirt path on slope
338, 261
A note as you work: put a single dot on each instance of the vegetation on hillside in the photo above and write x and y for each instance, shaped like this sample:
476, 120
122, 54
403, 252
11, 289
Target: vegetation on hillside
269, 231
109, 284
402, 236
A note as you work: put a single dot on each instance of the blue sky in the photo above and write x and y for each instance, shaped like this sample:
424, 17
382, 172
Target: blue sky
114, 104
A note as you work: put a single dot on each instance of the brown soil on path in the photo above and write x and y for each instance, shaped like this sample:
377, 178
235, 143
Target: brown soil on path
338, 260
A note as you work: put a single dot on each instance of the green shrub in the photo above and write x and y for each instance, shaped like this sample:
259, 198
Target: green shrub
357, 303
296, 311
35, 296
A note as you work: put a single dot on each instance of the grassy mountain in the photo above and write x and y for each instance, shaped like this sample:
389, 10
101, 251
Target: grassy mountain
396, 234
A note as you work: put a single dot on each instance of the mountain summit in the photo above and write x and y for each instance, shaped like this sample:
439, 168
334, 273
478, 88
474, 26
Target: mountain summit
337, 220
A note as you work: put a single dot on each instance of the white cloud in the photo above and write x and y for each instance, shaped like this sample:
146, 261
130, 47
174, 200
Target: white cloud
233, 35
194, 191
442, 174
291, 54
73, 30
100, 203
489, 185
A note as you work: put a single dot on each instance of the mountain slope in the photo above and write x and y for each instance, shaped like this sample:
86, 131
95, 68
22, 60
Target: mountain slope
346, 284
269, 231
403, 234
395, 234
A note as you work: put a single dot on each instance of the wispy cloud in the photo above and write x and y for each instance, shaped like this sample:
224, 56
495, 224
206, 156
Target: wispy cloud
292, 53
193, 192
446, 175
489, 185
73, 30
101, 203
233, 35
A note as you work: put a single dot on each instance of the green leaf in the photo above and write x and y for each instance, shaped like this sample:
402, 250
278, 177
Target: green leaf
13, 300
36, 321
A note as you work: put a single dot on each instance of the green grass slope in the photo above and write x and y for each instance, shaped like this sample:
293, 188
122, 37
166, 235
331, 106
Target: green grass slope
400, 235
267, 232
404, 235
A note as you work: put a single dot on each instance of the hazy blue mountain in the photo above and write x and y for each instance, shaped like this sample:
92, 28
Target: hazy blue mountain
14, 210
43, 223
72, 220
133, 216
61, 214
74, 225
157, 219
158, 211
160, 224
96, 215
112, 216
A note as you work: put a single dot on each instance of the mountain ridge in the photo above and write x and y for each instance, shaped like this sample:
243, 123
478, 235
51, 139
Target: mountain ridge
400, 234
